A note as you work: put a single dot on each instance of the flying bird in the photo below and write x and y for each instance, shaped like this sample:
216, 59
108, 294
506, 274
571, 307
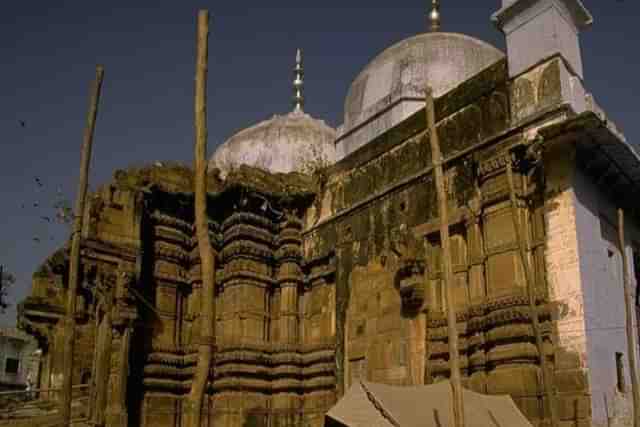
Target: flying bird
38, 181
22, 123
46, 218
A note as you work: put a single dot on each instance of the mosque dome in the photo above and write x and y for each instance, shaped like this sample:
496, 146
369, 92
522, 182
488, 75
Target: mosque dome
444, 60
294, 142
390, 88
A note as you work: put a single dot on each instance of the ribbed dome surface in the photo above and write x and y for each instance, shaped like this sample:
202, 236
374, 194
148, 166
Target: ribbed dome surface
295, 142
444, 59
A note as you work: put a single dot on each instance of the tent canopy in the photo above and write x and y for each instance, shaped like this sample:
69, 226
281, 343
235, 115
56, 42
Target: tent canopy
378, 405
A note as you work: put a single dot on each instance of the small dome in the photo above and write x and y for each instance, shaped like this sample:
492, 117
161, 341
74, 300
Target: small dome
294, 142
444, 59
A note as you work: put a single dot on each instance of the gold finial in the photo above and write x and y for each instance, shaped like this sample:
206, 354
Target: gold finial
298, 99
434, 16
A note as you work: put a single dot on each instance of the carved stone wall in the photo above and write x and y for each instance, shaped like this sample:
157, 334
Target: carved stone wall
377, 191
321, 283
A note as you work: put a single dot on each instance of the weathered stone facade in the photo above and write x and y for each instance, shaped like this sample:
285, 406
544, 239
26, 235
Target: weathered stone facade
19, 359
327, 278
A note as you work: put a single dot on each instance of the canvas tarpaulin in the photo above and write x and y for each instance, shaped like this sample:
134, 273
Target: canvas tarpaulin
377, 405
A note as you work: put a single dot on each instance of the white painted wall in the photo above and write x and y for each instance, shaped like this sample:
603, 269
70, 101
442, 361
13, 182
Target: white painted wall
603, 292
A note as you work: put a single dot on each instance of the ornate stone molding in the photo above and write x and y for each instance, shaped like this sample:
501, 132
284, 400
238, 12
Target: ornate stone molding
181, 278
288, 253
172, 236
245, 218
247, 277
160, 218
246, 249
170, 252
289, 236
247, 232
495, 164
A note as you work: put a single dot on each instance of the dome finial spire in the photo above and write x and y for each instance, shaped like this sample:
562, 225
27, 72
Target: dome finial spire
434, 16
298, 99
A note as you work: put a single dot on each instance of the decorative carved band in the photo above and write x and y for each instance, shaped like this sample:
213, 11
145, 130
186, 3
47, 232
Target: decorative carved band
495, 163
289, 253
249, 218
170, 252
245, 249
244, 276
170, 221
248, 232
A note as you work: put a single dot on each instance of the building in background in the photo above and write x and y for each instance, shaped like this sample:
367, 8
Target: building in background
19, 359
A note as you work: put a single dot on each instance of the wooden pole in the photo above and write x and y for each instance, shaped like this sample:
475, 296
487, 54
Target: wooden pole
207, 263
606, 408
447, 268
531, 293
74, 262
629, 309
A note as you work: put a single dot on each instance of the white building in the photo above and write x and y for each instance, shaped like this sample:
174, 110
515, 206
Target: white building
19, 359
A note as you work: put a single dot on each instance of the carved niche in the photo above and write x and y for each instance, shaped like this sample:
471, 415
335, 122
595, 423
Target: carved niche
409, 278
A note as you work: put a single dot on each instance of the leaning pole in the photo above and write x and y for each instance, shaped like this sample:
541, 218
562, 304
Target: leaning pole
206, 342
447, 267
74, 262
629, 320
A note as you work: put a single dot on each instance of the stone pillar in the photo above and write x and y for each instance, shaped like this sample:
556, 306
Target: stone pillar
289, 313
116, 414
286, 404
101, 375
477, 291
289, 257
511, 353
123, 316
246, 255
44, 370
477, 294
344, 266
56, 360
274, 326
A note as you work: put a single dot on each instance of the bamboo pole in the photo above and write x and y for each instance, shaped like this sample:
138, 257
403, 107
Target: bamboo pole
447, 268
531, 293
606, 408
629, 309
74, 262
207, 312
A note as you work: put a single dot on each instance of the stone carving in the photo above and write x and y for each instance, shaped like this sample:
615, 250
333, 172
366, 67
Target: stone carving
409, 279
318, 286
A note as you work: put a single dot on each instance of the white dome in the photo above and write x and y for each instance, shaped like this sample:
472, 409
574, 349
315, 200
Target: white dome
443, 59
294, 142
391, 87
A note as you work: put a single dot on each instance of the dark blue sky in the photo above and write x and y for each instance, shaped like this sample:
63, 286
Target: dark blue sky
49, 50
